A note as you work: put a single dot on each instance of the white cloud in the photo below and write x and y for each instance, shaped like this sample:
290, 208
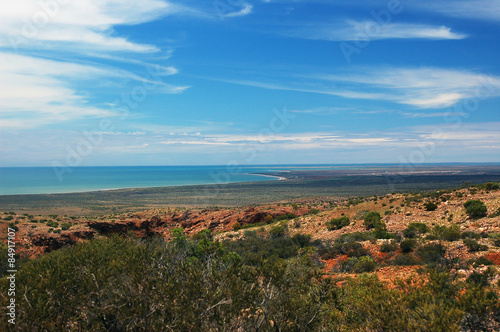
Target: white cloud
86, 25
473, 9
423, 88
36, 92
371, 30
245, 10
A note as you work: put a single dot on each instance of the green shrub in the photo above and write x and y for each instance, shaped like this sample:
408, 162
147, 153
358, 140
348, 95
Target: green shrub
358, 265
236, 226
373, 220
482, 261
355, 236
404, 260
431, 253
474, 246
408, 245
66, 226
451, 233
470, 235
277, 231
410, 233
430, 206
421, 227
475, 209
268, 219
351, 249
338, 223
8, 218
388, 247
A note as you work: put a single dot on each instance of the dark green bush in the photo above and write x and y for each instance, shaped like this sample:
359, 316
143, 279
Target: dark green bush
475, 209
373, 220
431, 253
337, 223
474, 246
482, 261
388, 247
410, 233
451, 233
470, 235
358, 265
408, 245
430, 206
420, 227
404, 260
66, 226
351, 249
356, 236
277, 231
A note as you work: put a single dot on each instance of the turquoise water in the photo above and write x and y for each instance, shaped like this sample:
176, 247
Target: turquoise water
46, 180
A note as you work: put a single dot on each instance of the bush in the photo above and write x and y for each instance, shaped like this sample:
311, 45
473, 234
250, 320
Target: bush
408, 245
421, 227
8, 218
388, 247
358, 265
431, 253
482, 261
337, 223
277, 231
66, 226
430, 206
404, 260
475, 209
470, 235
356, 236
410, 233
351, 249
474, 246
268, 219
373, 220
451, 233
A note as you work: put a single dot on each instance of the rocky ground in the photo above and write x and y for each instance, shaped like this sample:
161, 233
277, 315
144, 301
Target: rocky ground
39, 234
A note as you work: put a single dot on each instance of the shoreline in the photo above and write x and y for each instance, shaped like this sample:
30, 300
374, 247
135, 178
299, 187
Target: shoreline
277, 178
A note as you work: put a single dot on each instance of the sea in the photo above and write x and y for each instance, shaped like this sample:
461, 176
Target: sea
49, 180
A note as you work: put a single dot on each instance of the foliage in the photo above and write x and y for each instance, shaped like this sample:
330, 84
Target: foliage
358, 265
430, 206
373, 220
337, 223
432, 253
475, 209
474, 245
451, 233
408, 245
388, 247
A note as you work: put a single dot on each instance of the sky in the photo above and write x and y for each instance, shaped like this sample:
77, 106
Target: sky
243, 82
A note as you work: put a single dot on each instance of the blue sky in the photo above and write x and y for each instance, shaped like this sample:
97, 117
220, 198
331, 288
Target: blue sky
156, 82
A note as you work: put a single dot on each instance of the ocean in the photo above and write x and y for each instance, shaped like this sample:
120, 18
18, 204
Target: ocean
47, 180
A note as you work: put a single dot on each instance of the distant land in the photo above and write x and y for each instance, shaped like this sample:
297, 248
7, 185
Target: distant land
300, 182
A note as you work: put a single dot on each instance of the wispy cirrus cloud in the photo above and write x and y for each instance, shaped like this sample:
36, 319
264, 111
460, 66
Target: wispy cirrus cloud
488, 10
351, 30
85, 25
423, 88
47, 88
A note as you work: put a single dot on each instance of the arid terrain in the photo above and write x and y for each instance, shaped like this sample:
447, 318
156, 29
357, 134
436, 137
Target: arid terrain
39, 234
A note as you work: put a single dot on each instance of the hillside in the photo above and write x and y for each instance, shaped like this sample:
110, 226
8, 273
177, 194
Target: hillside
436, 251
